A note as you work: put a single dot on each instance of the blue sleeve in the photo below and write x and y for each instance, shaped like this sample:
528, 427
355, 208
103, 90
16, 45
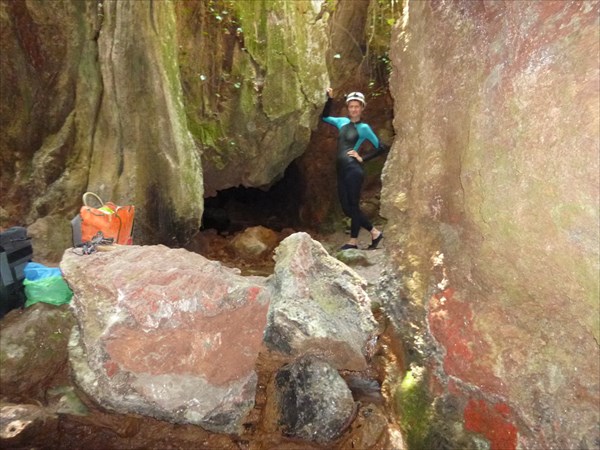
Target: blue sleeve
337, 122
365, 133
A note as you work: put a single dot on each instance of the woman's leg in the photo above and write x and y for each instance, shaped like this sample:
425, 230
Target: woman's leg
352, 183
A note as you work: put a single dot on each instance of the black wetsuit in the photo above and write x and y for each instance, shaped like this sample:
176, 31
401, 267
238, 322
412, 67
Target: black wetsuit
349, 170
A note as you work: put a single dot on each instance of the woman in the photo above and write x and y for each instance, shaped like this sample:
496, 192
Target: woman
350, 174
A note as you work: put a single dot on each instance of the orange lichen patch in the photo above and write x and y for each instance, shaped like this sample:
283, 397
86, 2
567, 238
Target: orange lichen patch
492, 422
253, 293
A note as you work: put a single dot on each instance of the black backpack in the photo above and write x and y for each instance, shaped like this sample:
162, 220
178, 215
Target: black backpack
15, 253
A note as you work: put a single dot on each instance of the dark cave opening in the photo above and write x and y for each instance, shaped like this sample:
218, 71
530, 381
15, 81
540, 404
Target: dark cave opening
237, 208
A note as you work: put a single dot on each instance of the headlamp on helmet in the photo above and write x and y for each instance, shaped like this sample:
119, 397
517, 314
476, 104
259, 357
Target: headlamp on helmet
358, 96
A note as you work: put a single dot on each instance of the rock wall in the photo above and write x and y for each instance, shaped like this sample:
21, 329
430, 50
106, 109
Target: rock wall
102, 112
47, 63
491, 192
143, 151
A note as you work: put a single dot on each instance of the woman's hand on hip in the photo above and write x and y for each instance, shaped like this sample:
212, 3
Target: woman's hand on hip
354, 154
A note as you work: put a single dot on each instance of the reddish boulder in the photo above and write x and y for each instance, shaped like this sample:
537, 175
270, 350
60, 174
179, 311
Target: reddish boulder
166, 333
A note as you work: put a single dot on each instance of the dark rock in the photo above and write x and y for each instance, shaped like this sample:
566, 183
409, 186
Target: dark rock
33, 349
314, 402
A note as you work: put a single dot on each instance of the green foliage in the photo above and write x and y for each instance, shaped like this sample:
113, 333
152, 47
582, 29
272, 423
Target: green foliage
383, 15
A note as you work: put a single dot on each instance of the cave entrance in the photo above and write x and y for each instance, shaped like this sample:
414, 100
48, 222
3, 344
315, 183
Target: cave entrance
235, 209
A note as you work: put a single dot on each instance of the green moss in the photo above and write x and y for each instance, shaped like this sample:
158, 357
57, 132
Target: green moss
413, 405
207, 133
3, 359
246, 101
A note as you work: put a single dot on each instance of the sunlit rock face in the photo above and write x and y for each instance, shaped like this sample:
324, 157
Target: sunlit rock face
491, 191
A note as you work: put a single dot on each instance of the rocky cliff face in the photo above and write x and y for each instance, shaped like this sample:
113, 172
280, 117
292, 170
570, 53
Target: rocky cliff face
51, 90
102, 112
491, 191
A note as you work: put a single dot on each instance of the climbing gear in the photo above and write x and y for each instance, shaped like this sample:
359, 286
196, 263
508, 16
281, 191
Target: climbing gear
348, 247
89, 247
115, 222
358, 96
375, 242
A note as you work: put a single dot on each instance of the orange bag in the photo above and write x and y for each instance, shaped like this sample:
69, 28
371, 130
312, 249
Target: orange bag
114, 221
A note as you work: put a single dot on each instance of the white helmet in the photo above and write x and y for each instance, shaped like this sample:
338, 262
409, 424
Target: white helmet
356, 96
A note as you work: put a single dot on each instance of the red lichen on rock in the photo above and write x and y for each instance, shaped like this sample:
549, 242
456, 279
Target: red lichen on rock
481, 417
451, 324
253, 293
111, 368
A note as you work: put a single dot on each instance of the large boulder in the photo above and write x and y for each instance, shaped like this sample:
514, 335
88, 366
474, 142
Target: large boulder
170, 334
319, 306
491, 196
166, 333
